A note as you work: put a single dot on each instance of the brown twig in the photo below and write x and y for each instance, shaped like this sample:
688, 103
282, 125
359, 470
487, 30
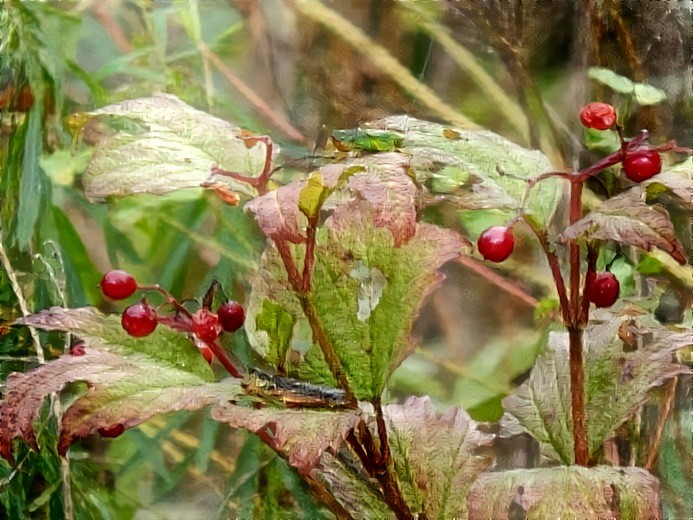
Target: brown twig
275, 118
498, 280
115, 32
653, 452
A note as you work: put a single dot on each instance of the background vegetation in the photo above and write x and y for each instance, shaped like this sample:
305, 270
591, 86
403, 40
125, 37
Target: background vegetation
297, 71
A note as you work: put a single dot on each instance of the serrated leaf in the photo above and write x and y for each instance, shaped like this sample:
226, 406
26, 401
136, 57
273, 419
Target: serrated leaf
301, 436
121, 390
616, 384
368, 140
628, 220
373, 266
159, 144
434, 456
494, 170
614, 81
106, 333
648, 95
565, 492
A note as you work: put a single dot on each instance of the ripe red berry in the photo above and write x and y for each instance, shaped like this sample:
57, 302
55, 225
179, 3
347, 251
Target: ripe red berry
207, 354
642, 165
110, 432
77, 349
496, 243
118, 285
205, 325
600, 116
139, 320
231, 316
603, 290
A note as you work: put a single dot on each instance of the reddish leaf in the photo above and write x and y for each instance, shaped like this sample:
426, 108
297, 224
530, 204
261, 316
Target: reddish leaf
628, 220
299, 435
121, 390
434, 456
390, 193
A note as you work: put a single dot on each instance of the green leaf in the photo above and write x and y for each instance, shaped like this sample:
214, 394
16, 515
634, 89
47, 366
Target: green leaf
159, 144
614, 81
32, 183
279, 325
312, 196
434, 456
648, 95
483, 169
616, 384
62, 167
105, 332
565, 492
368, 140
77, 257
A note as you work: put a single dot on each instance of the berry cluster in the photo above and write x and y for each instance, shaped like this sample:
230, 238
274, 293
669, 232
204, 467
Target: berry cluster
141, 319
638, 164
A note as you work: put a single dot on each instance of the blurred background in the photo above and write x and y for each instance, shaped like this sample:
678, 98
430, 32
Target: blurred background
297, 71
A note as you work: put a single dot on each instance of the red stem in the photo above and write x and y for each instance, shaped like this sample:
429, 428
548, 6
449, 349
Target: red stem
311, 231
577, 374
224, 358
592, 255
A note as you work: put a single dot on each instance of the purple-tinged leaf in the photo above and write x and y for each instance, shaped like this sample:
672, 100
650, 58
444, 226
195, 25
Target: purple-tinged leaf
628, 220
278, 215
390, 192
434, 456
121, 390
299, 435
616, 385
565, 492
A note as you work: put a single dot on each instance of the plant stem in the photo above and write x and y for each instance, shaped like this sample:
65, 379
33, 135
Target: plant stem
575, 328
592, 255
577, 393
383, 471
310, 253
328, 351
555, 270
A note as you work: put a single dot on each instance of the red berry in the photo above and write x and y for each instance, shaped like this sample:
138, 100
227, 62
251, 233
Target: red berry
139, 320
496, 243
77, 349
602, 290
207, 354
600, 116
231, 316
642, 165
110, 432
118, 285
206, 325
